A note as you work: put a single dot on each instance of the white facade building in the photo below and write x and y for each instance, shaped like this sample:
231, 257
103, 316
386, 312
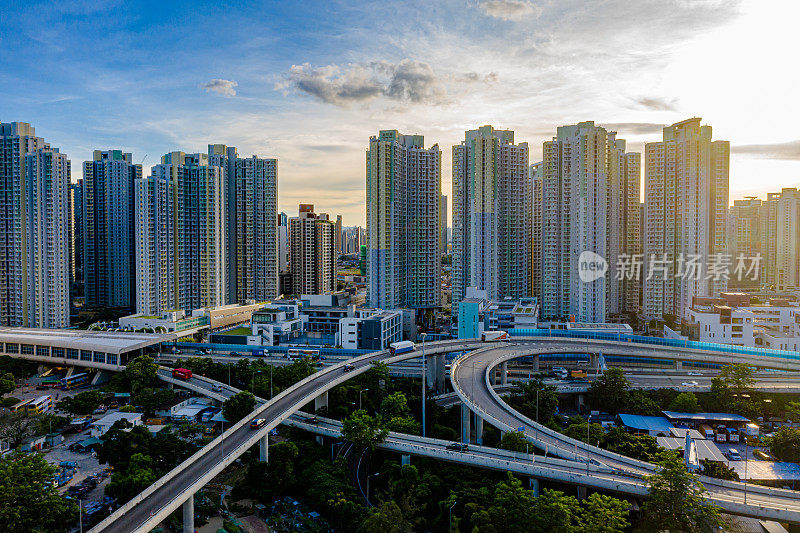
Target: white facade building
686, 206
492, 204
313, 260
34, 230
404, 221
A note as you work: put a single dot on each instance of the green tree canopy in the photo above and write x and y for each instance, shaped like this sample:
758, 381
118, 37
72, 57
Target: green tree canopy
7, 383
139, 474
394, 405
535, 398
718, 470
16, 427
238, 406
678, 501
82, 403
141, 373
785, 444
363, 430
516, 442
610, 391
28, 500
685, 402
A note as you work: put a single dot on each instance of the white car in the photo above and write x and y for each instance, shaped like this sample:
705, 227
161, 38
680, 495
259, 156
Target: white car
695, 373
690, 384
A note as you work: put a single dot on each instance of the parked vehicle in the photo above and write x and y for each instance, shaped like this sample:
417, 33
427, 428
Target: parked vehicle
764, 456
499, 335
733, 435
734, 455
182, 373
401, 347
706, 431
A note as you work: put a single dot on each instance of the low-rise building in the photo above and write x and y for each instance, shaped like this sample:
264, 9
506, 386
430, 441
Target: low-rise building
100, 427
476, 314
371, 329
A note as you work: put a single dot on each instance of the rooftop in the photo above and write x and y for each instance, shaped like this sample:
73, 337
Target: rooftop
101, 341
647, 423
702, 417
706, 449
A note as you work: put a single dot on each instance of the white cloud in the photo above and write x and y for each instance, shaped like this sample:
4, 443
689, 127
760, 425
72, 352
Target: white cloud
509, 9
220, 86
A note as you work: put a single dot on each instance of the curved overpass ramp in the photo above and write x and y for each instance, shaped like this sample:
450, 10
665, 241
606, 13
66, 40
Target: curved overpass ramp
470, 378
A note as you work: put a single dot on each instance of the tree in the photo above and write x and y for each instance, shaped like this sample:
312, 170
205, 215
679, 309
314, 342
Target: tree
148, 399
578, 431
238, 406
737, 378
141, 373
603, 514
16, 427
793, 411
718, 470
403, 424
28, 500
363, 430
610, 391
785, 444
678, 500
685, 402
394, 405
139, 475
82, 403
642, 447
515, 441
535, 399
386, 518
7, 383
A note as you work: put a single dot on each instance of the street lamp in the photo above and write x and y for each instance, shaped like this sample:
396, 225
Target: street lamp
359, 397
588, 425
450, 517
423, 382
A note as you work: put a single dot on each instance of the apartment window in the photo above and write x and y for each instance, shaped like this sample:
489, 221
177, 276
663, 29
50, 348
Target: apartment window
86, 355
111, 359
72, 353
57, 352
43, 351
99, 357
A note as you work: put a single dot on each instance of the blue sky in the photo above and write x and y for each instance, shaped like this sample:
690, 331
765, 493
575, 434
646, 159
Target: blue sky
309, 82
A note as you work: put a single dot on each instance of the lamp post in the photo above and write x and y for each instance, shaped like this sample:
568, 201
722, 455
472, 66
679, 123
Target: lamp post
588, 425
450, 517
270, 382
423, 382
359, 397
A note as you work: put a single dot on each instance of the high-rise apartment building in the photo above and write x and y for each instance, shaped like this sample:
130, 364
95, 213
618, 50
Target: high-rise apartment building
787, 233
180, 235
686, 209
225, 157
76, 238
283, 243
747, 234
404, 186
443, 225
535, 172
256, 229
312, 263
109, 251
338, 242
492, 201
589, 190
34, 230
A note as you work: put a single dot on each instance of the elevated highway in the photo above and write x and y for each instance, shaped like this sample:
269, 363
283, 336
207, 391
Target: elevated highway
177, 487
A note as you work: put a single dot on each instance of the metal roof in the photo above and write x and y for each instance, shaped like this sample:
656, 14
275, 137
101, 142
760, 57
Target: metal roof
115, 342
647, 423
706, 449
681, 433
702, 417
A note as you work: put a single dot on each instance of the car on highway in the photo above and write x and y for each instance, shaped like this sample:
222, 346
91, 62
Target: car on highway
348, 367
216, 388
690, 384
458, 447
695, 373
235, 354
257, 423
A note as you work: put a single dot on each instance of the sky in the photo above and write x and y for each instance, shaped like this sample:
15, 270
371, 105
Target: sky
310, 82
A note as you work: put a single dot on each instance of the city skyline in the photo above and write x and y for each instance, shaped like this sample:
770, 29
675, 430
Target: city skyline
308, 93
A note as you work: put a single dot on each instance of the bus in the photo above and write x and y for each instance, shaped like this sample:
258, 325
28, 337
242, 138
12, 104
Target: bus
401, 347
21, 405
42, 404
73, 381
299, 353
50, 383
182, 373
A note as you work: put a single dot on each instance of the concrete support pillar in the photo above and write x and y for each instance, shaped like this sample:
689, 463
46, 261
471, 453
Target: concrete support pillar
478, 430
493, 376
263, 449
439, 379
534, 484
170, 386
465, 420
594, 362
405, 459
504, 373
188, 515
70, 371
678, 365
581, 492
535, 363
321, 401
320, 439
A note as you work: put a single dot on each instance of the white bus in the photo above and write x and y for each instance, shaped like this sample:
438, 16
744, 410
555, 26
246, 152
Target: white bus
299, 353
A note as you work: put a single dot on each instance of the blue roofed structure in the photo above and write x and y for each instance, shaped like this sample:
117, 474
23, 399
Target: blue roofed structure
705, 418
649, 425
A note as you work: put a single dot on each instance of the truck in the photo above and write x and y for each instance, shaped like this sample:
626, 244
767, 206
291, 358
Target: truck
722, 434
499, 335
706, 431
578, 374
396, 348
182, 373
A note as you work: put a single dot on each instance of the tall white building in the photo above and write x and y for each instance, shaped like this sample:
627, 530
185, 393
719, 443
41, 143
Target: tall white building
787, 254
589, 203
535, 173
443, 225
313, 258
180, 235
34, 230
404, 185
686, 206
221, 155
109, 252
256, 229
283, 243
492, 203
